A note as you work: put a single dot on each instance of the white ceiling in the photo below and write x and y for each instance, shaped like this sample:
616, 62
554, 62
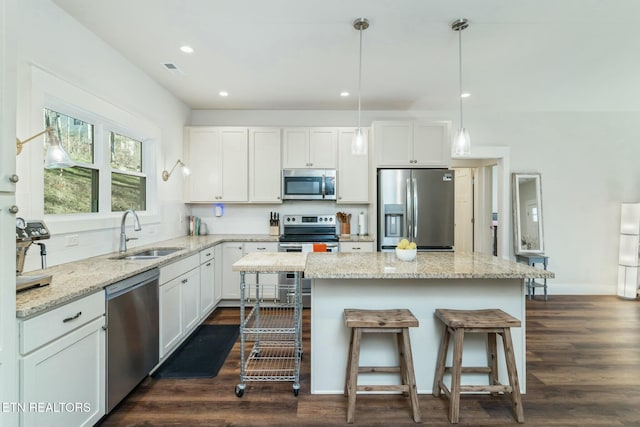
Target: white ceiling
540, 55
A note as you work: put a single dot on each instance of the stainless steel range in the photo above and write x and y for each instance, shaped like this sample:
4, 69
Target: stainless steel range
306, 233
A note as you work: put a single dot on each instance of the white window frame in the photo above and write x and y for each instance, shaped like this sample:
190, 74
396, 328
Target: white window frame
48, 91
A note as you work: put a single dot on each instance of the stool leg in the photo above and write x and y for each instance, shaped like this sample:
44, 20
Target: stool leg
354, 357
440, 363
456, 370
410, 374
346, 376
402, 362
545, 289
516, 398
492, 359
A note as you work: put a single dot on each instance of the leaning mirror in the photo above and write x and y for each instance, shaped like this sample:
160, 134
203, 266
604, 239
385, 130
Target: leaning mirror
527, 213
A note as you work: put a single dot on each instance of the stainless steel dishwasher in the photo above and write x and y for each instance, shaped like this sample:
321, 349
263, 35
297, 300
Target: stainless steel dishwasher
132, 333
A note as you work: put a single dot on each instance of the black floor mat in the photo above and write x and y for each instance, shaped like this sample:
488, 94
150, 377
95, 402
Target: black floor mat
202, 355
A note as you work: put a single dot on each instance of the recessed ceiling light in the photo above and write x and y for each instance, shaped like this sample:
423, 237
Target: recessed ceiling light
223, 93
465, 95
344, 94
186, 49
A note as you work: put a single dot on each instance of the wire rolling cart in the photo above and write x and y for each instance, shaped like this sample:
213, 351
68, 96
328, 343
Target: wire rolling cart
273, 332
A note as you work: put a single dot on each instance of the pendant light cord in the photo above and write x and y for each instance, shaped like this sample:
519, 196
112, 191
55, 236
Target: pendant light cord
460, 73
360, 81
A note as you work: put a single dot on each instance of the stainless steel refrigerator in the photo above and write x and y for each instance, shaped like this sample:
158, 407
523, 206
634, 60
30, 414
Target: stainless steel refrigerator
416, 204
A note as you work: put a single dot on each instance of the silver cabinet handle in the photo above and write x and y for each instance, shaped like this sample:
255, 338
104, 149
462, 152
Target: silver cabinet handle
208, 264
69, 319
14, 209
14, 178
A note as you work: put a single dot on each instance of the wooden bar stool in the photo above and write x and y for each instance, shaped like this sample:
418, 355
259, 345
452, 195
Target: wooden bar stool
380, 321
491, 322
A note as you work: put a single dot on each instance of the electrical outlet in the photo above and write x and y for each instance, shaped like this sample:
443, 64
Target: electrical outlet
72, 240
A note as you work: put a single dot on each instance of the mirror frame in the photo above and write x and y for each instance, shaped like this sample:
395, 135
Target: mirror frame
517, 226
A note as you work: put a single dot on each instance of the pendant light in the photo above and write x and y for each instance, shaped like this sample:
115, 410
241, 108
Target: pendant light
359, 142
462, 143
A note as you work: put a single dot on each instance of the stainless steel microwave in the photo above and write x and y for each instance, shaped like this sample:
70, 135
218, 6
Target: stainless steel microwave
309, 184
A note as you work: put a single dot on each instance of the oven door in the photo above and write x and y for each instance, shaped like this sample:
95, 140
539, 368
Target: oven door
287, 278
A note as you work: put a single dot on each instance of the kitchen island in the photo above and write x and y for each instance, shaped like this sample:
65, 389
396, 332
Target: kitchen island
379, 280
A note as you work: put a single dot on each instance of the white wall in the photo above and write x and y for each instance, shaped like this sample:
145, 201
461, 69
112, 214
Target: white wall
588, 162
49, 40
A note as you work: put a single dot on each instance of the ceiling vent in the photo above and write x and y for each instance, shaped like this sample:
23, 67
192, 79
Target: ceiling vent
172, 68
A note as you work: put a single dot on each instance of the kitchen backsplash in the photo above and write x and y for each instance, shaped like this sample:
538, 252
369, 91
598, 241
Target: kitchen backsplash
254, 219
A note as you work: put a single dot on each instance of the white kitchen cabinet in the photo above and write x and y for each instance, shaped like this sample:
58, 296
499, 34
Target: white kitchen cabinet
356, 246
412, 143
207, 282
217, 281
62, 365
179, 302
268, 282
231, 252
219, 161
353, 171
310, 148
265, 165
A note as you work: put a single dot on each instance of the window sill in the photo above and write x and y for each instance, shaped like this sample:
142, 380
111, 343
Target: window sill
74, 223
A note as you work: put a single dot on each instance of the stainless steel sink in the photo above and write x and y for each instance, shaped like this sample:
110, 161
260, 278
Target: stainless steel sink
152, 253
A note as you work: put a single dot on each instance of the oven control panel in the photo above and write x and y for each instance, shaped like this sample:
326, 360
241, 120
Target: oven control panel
309, 220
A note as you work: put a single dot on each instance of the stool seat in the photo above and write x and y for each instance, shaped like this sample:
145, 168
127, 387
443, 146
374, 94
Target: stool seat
492, 322
491, 318
397, 322
396, 318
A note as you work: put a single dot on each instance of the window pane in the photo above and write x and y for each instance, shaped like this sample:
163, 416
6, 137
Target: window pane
72, 190
75, 135
126, 153
128, 192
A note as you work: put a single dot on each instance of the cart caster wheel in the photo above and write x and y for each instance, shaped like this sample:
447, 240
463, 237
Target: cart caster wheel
239, 390
296, 391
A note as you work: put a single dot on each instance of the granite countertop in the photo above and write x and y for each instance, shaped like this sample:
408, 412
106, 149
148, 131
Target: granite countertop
269, 262
427, 265
80, 278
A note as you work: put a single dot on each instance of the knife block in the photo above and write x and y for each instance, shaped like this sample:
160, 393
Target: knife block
274, 230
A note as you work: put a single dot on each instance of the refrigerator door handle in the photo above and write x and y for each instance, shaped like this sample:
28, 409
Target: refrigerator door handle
415, 209
409, 210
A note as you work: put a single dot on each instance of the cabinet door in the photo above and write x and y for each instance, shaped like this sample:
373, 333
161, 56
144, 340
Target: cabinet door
353, 171
323, 145
394, 143
190, 290
431, 144
295, 148
70, 370
170, 315
265, 169
203, 158
268, 282
235, 164
207, 288
231, 252
217, 281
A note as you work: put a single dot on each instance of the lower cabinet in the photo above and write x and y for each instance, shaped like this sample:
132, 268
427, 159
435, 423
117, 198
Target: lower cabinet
62, 365
179, 302
232, 252
208, 297
356, 246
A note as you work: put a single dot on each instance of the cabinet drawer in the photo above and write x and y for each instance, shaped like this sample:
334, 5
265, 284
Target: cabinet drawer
173, 270
356, 246
250, 247
53, 324
206, 255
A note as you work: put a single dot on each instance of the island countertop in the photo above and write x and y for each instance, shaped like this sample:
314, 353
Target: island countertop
427, 265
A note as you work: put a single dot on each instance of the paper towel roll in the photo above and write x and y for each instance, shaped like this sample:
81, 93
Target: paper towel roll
362, 224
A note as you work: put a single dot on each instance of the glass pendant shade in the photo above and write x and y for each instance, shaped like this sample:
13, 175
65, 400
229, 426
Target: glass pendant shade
462, 143
359, 143
57, 157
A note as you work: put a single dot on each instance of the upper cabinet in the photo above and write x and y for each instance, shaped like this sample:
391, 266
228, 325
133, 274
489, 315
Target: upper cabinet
218, 159
310, 148
412, 143
353, 171
265, 165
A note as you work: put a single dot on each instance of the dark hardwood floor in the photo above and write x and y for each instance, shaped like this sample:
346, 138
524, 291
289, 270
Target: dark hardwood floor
583, 369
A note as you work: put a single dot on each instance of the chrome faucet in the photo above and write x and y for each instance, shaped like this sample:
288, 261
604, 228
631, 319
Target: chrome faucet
136, 226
